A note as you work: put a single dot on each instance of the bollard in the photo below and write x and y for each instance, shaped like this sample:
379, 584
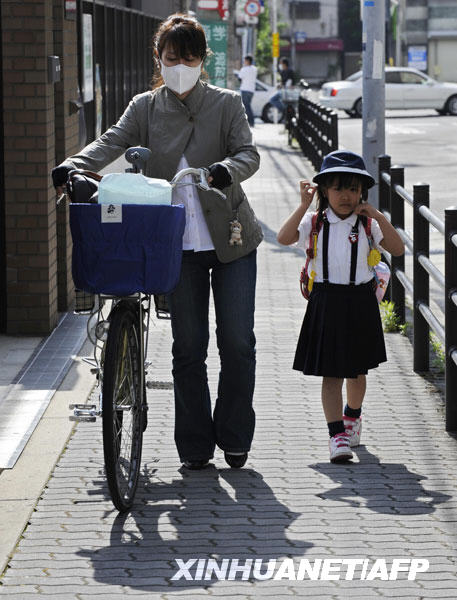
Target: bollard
334, 122
383, 188
421, 246
397, 216
450, 312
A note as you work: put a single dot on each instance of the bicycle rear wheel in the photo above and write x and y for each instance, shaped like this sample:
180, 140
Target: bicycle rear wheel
122, 413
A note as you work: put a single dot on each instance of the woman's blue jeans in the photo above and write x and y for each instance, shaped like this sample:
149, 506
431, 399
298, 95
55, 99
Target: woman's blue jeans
231, 426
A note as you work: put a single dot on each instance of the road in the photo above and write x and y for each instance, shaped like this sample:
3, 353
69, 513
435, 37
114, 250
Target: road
422, 142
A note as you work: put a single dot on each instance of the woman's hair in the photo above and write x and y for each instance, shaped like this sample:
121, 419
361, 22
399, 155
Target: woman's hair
341, 181
182, 33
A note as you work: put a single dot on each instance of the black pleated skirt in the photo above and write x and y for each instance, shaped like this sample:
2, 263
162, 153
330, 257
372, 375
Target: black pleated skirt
341, 335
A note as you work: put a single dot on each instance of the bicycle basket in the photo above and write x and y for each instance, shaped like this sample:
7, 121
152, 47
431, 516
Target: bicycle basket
126, 249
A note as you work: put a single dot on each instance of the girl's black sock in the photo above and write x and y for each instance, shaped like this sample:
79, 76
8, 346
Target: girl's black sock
335, 427
352, 412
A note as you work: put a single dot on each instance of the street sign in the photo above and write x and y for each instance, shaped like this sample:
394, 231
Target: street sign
223, 8
252, 8
300, 37
251, 20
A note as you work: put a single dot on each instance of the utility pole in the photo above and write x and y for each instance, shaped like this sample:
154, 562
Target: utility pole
373, 87
293, 48
399, 33
232, 42
274, 29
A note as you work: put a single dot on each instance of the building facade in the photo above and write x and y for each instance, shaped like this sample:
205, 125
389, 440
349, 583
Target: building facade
430, 31
310, 38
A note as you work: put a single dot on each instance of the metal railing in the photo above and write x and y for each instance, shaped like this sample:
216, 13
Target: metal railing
316, 130
392, 198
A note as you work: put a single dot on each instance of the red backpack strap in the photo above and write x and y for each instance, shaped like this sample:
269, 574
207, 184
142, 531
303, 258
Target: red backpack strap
314, 230
315, 226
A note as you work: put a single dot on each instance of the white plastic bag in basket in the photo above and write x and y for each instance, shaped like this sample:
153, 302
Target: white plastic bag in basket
133, 188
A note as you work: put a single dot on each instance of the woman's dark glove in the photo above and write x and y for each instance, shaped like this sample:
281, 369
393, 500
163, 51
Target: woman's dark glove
221, 176
60, 174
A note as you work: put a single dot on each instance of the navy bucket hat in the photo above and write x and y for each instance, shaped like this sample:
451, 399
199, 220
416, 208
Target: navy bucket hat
344, 161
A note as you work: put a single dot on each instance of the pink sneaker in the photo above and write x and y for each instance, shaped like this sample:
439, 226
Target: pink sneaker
339, 448
353, 428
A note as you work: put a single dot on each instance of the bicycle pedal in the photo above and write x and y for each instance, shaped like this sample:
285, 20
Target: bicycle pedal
83, 412
159, 385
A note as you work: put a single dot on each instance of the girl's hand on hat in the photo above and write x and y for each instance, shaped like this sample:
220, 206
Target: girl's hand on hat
366, 209
307, 191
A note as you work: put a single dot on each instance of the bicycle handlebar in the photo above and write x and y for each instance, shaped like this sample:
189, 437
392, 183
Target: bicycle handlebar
138, 156
202, 181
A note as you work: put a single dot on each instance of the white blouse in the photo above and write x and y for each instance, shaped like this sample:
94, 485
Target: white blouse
339, 248
196, 234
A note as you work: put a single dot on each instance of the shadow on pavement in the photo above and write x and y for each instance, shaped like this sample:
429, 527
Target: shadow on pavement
388, 488
208, 514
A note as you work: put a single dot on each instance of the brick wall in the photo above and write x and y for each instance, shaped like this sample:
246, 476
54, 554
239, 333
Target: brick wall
28, 100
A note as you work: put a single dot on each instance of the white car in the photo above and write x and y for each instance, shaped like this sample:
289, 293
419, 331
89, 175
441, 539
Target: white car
405, 88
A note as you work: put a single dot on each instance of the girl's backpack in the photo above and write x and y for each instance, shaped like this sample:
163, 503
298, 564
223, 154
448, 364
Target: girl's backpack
381, 271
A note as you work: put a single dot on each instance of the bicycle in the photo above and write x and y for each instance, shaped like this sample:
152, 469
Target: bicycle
120, 340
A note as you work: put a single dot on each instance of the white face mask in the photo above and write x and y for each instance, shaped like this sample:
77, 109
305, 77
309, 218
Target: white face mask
180, 78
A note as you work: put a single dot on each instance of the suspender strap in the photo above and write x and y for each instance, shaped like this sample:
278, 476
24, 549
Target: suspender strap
354, 248
325, 250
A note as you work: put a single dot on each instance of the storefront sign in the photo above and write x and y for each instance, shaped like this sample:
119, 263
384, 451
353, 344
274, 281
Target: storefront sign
216, 67
417, 57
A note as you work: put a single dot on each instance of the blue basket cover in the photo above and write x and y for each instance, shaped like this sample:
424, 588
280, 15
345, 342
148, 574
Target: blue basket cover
140, 254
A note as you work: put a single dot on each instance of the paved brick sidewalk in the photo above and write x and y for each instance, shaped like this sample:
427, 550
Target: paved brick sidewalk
397, 501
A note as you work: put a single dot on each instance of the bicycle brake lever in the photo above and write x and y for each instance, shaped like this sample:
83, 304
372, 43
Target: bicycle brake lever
203, 183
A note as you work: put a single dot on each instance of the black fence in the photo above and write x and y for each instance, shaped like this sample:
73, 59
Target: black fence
123, 55
316, 130
392, 198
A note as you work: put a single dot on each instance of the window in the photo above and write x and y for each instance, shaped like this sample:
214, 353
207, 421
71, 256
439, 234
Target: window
304, 10
408, 77
355, 76
393, 77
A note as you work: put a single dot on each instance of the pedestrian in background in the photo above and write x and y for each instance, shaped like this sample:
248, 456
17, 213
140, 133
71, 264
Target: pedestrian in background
287, 76
341, 336
186, 122
248, 76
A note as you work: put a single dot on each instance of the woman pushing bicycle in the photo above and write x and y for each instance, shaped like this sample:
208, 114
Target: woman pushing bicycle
187, 122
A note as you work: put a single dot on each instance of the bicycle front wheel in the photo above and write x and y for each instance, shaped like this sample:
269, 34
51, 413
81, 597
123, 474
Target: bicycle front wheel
122, 412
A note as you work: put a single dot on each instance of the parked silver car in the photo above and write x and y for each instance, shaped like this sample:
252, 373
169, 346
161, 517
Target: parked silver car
406, 88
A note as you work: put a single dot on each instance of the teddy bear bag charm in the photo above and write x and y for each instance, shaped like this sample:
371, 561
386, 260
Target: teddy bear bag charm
235, 233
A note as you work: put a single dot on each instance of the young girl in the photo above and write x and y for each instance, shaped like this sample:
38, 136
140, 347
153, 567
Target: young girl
341, 336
